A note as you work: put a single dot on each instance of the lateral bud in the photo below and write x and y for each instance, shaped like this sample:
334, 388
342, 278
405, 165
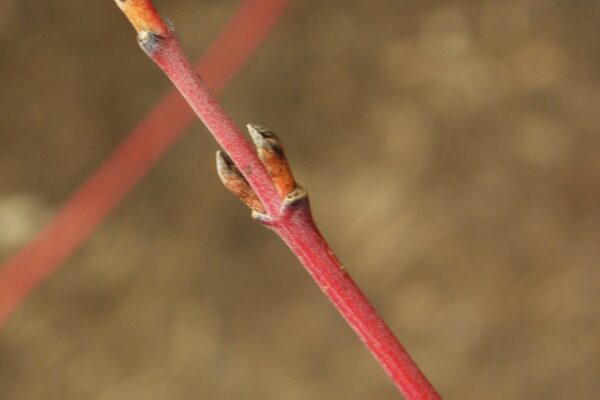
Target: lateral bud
270, 151
234, 181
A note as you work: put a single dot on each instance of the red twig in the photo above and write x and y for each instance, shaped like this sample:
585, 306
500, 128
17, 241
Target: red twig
305, 240
132, 159
289, 216
167, 53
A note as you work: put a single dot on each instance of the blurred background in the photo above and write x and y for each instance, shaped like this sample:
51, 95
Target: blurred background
451, 151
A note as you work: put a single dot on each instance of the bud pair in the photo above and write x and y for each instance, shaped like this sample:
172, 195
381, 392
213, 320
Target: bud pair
271, 154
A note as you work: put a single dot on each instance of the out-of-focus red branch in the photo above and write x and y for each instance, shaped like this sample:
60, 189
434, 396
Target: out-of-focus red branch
132, 159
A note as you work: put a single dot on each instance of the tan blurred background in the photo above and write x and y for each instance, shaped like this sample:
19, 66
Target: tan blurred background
452, 154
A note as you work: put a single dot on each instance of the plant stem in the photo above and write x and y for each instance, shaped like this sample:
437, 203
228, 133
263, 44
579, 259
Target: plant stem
291, 221
171, 59
301, 234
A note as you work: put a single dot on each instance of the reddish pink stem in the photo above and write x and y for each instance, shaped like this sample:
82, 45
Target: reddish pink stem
171, 59
295, 227
302, 236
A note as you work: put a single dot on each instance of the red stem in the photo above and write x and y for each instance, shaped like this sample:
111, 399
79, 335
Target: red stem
301, 234
171, 59
296, 227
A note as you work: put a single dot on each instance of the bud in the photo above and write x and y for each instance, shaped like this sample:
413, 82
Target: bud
270, 151
234, 181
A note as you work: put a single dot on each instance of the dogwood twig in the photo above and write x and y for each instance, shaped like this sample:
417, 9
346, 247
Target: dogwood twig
260, 176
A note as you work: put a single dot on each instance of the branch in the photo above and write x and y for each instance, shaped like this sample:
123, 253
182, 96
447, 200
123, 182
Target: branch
262, 179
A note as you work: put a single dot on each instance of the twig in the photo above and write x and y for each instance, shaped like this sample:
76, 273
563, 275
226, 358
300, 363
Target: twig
263, 180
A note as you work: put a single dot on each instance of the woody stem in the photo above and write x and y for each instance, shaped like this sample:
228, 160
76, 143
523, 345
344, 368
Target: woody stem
301, 234
294, 221
168, 55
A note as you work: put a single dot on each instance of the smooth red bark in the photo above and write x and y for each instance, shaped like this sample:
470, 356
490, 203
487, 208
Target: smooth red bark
293, 223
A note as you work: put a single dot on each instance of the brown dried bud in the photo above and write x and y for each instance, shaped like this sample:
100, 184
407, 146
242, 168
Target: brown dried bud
270, 151
235, 182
